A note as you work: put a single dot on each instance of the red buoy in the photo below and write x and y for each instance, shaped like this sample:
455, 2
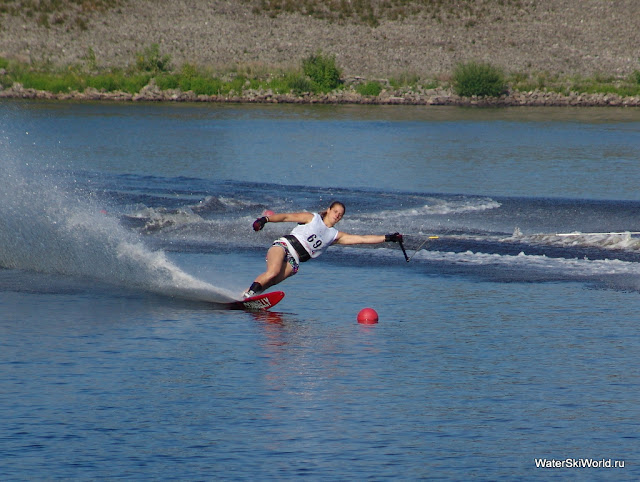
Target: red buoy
368, 316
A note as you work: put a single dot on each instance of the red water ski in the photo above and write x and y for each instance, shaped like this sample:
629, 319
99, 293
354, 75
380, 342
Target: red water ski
264, 301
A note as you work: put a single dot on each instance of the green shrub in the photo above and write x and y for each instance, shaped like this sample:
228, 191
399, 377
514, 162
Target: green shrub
117, 81
188, 70
236, 84
370, 88
56, 83
628, 90
90, 59
277, 84
105, 82
480, 79
167, 81
134, 83
203, 86
298, 84
150, 60
636, 76
322, 71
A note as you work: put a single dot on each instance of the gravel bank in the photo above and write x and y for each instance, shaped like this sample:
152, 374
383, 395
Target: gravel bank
565, 37
558, 36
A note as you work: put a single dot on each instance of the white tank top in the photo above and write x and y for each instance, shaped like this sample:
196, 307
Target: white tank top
315, 236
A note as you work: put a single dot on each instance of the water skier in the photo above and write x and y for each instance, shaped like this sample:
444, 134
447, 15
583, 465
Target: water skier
313, 235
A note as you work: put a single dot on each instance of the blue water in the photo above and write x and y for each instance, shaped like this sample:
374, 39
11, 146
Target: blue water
123, 227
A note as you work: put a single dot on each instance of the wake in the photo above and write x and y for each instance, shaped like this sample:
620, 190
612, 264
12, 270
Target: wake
46, 227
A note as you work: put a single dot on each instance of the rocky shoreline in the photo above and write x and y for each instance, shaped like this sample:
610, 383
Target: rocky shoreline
434, 97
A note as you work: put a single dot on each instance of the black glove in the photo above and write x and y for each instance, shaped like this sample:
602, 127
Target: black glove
395, 238
259, 223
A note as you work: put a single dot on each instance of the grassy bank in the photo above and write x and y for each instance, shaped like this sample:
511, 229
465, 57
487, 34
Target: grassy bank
317, 74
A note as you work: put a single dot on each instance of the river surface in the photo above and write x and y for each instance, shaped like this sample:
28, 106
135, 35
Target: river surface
508, 343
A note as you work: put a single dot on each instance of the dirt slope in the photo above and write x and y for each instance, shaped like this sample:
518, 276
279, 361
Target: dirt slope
557, 36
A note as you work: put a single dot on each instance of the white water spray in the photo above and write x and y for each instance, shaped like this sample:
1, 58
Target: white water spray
47, 228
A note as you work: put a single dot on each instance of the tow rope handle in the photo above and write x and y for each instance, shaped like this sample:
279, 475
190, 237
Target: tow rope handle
404, 251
